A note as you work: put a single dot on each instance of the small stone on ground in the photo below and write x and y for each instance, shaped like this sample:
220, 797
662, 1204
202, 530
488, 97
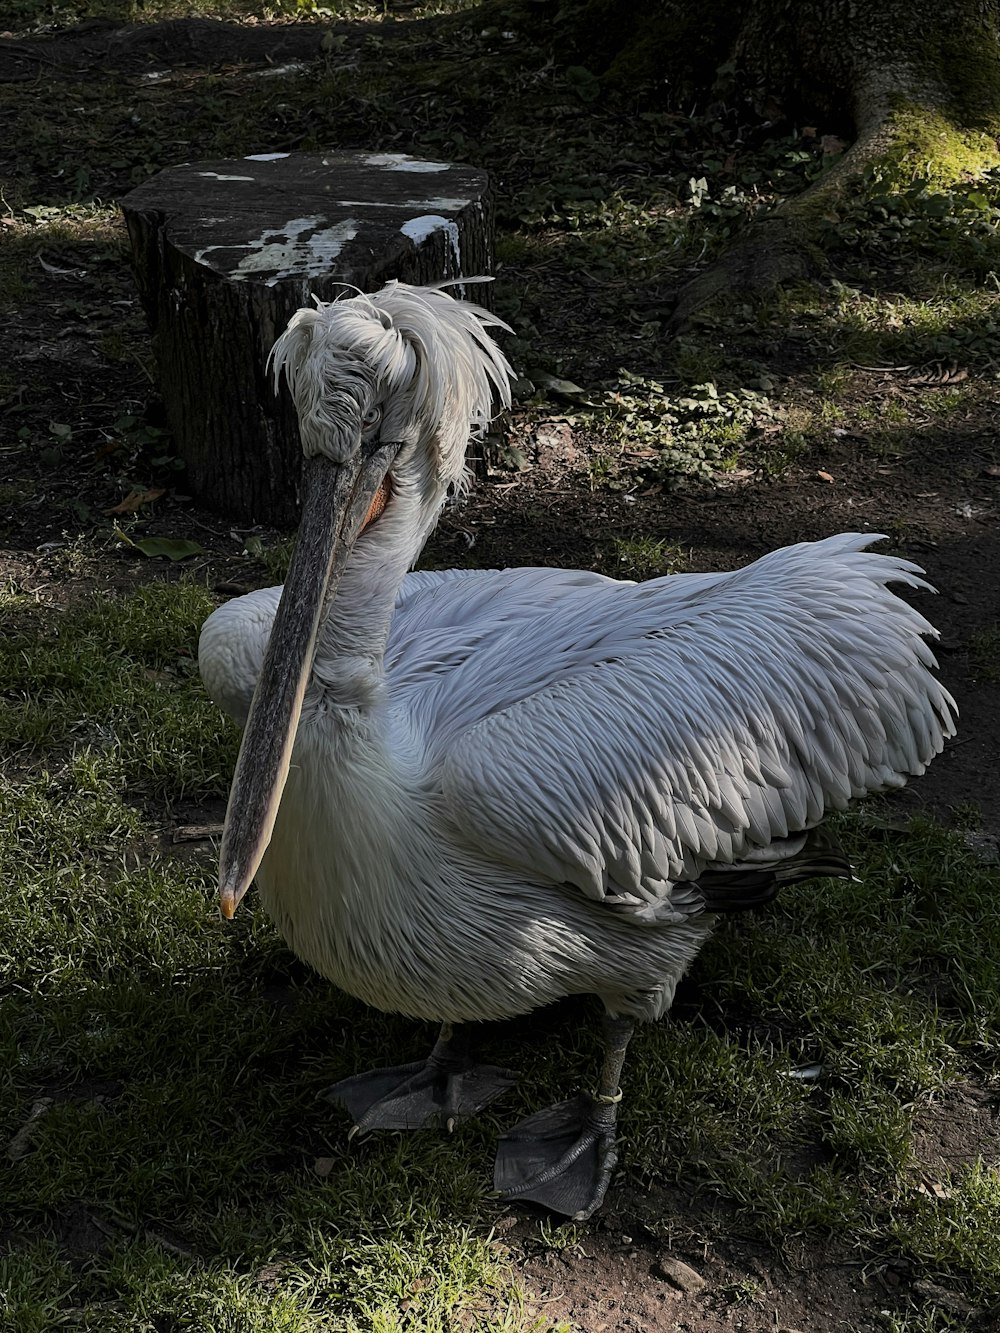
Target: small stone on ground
678, 1274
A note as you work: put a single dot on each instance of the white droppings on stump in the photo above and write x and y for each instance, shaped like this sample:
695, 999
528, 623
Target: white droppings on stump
215, 175
402, 162
441, 202
284, 252
446, 205
265, 157
418, 229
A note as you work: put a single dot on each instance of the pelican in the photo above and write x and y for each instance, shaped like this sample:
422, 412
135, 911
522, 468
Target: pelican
468, 794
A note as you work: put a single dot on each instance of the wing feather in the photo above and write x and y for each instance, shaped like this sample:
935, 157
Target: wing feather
621, 737
444, 617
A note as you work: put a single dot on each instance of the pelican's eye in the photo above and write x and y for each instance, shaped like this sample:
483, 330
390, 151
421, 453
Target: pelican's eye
371, 419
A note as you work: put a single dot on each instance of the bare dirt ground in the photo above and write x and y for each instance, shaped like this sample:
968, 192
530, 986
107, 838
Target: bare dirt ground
659, 1262
937, 497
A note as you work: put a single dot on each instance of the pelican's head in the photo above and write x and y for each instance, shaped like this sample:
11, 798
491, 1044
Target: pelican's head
388, 389
407, 366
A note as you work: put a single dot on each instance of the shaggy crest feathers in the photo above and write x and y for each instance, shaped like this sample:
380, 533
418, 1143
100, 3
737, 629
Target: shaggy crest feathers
420, 346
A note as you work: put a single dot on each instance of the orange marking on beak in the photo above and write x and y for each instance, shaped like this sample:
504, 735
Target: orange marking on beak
378, 504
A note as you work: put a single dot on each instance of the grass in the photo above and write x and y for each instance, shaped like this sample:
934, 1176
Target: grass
184, 1172
139, 706
25, 13
984, 645
645, 558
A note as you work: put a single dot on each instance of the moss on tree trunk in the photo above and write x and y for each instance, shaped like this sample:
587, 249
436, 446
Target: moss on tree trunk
915, 83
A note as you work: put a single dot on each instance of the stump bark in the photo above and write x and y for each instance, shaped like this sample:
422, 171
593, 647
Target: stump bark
225, 252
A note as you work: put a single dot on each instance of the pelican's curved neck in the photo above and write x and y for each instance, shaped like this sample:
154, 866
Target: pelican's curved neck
348, 666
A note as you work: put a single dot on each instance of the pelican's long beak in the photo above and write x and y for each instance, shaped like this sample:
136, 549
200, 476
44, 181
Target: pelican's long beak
339, 498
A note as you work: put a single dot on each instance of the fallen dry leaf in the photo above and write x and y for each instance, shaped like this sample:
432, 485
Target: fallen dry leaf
824, 476
939, 374
135, 500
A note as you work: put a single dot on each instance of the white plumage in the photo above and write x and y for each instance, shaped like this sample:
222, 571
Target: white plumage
512, 786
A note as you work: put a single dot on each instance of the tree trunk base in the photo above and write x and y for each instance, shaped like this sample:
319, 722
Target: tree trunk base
785, 245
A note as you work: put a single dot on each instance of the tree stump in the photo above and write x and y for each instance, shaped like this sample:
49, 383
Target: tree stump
225, 252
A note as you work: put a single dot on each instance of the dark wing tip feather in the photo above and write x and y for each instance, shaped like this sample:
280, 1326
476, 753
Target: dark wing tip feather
742, 886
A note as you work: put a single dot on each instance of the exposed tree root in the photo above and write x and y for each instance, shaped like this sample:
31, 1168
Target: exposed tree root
905, 131
773, 252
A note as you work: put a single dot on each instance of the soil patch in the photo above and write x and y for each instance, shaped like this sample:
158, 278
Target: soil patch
693, 1276
177, 44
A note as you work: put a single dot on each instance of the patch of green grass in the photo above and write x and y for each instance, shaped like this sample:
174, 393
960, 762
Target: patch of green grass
274, 556
958, 1231
884, 413
879, 990
178, 1063
119, 676
834, 382
641, 558
954, 322
984, 652
924, 1321
26, 14
177, 1119
774, 454
196, 1167
197, 1156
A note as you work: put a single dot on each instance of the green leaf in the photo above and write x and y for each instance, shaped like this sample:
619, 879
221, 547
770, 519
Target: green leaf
174, 548
564, 388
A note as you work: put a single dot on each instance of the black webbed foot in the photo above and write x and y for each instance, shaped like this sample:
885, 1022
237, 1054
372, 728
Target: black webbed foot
441, 1090
561, 1158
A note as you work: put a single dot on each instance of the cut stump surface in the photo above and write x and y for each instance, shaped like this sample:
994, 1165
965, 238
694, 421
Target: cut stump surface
225, 252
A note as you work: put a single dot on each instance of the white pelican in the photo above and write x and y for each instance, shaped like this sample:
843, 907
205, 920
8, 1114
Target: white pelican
467, 794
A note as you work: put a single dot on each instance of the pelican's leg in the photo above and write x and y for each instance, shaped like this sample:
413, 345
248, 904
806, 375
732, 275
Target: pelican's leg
444, 1088
563, 1157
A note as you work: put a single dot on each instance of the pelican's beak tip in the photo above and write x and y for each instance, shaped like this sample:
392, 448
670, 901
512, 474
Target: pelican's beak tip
228, 901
